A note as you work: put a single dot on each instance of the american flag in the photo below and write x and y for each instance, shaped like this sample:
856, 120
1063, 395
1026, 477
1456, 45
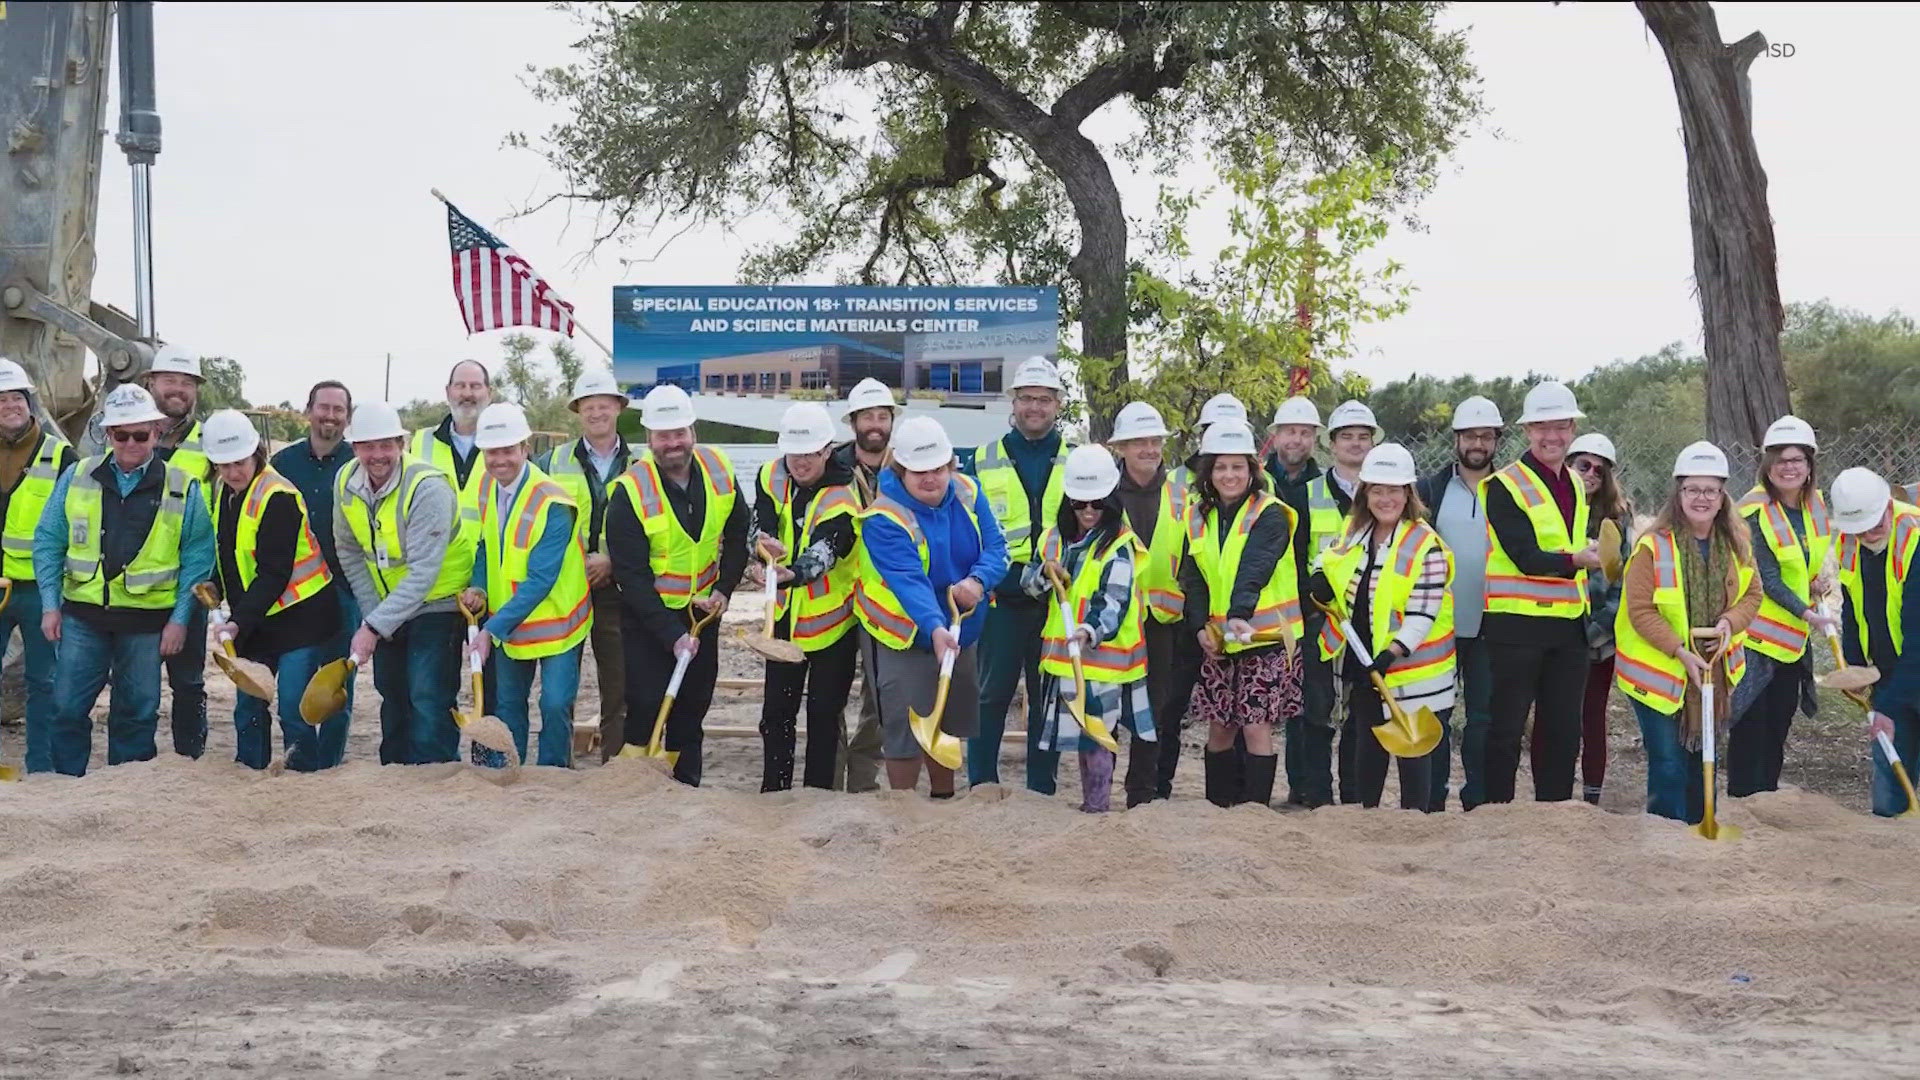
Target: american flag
496, 287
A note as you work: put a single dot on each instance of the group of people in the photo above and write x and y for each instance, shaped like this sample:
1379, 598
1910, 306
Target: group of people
1280, 604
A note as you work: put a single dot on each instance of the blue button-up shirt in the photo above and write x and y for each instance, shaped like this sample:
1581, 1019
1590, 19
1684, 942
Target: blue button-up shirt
315, 477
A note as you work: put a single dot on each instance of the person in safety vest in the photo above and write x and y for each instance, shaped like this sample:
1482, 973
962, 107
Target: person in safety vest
1295, 430
1454, 509
1876, 553
530, 573
174, 381
676, 527
279, 594
1351, 433
31, 461
586, 468
1155, 508
1241, 588
1691, 570
1389, 570
1538, 556
1792, 535
312, 465
803, 519
123, 539
407, 551
449, 445
1020, 474
1090, 547
870, 411
929, 532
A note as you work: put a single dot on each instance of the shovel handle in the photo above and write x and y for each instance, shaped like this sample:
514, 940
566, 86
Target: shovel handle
699, 622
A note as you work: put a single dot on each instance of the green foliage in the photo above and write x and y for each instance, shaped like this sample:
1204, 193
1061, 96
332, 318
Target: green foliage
524, 379
225, 385
1850, 371
421, 412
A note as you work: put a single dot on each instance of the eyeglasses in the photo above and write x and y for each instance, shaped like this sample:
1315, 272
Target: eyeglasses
1588, 465
140, 436
1699, 494
1794, 462
1033, 399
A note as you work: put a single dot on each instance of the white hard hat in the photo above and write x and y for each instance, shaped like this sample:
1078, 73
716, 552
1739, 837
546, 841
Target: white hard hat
1138, 420
869, 394
1296, 410
1351, 414
1550, 401
228, 436
1090, 473
595, 382
1596, 444
14, 377
1476, 412
805, 429
1222, 407
1700, 459
176, 359
1036, 371
502, 424
1228, 437
129, 404
1860, 499
666, 408
1388, 463
373, 421
1789, 430
920, 444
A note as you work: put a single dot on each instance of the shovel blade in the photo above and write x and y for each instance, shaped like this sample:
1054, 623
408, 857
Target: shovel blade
245, 675
780, 652
943, 748
8, 774
326, 692
1849, 678
1714, 830
1410, 735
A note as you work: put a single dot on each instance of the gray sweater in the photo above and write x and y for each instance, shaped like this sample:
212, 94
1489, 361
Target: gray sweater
429, 531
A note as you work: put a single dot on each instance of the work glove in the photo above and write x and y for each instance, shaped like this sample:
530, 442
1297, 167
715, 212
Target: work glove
1383, 662
1319, 588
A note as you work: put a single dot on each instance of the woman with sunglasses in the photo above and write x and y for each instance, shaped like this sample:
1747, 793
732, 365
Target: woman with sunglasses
1691, 570
1791, 536
1242, 590
1091, 548
1594, 461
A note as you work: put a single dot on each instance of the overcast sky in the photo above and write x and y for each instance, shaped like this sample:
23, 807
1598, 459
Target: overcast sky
295, 231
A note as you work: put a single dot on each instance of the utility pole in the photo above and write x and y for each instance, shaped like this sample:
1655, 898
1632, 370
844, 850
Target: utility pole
387, 394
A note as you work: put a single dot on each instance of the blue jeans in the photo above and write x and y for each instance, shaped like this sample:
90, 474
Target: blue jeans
1889, 798
1010, 648
559, 685
89, 659
23, 611
187, 675
417, 674
309, 748
1676, 787
1476, 678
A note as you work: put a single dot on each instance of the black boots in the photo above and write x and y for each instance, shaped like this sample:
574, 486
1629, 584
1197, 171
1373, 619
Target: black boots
1259, 781
1233, 778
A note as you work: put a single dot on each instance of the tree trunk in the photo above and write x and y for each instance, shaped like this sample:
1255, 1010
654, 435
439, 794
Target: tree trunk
1734, 258
1100, 266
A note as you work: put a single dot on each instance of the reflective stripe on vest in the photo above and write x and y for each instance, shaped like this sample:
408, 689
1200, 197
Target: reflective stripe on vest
1121, 659
879, 610
310, 573
823, 609
1903, 544
189, 458
685, 568
381, 530
27, 504
1646, 674
1393, 588
431, 451
581, 484
564, 616
1159, 571
150, 579
1513, 593
1219, 563
1324, 519
994, 469
1777, 632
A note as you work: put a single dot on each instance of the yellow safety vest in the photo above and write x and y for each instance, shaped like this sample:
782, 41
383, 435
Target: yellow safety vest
685, 568
1777, 632
824, 611
26, 505
1902, 541
1325, 522
1509, 592
1392, 588
1646, 674
431, 451
151, 581
1158, 569
189, 458
310, 573
1219, 564
380, 530
1122, 659
879, 610
563, 617
993, 468
578, 483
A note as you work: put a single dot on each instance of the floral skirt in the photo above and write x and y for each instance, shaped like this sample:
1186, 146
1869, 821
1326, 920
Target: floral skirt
1248, 688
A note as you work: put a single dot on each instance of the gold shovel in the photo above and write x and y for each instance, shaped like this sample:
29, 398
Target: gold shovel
1095, 728
250, 677
326, 692
943, 748
1401, 735
488, 731
1709, 828
1852, 682
656, 749
1284, 635
764, 643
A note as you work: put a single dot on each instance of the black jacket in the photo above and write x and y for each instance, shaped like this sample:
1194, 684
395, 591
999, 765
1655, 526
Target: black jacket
261, 636
627, 548
810, 558
1266, 545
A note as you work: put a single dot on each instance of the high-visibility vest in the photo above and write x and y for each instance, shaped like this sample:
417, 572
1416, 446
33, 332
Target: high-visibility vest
823, 609
1509, 592
878, 609
191, 459
431, 451
1646, 674
1122, 659
1158, 568
1902, 541
1325, 523
579, 483
310, 573
993, 467
1777, 632
27, 503
1219, 564
685, 568
380, 530
151, 580
1392, 588
563, 617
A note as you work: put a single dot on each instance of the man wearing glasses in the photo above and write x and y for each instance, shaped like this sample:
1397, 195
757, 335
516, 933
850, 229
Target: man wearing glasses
124, 539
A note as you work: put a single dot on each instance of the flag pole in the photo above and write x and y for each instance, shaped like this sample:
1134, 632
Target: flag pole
579, 324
